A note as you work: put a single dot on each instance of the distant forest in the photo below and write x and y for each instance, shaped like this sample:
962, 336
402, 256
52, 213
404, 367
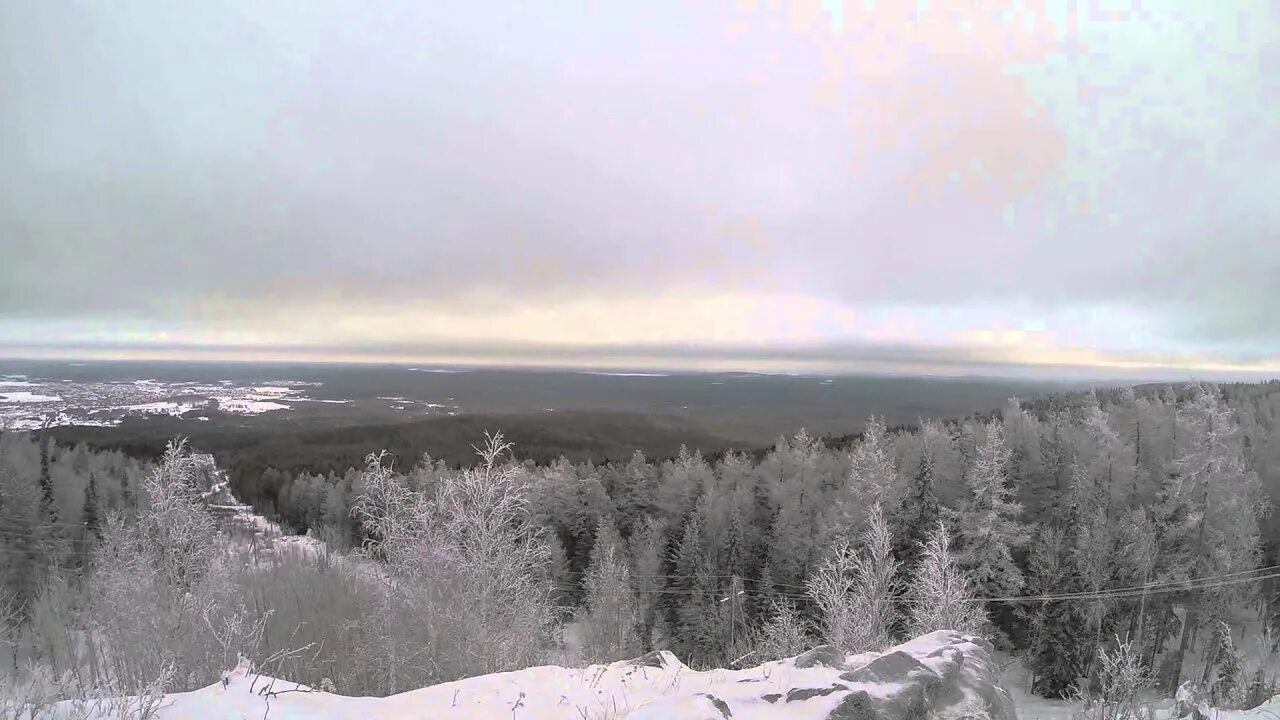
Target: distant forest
1165, 492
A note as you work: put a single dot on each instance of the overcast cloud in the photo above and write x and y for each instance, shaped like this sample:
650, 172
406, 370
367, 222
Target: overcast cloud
966, 183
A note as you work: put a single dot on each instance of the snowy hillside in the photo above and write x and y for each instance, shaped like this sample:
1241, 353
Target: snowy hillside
941, 675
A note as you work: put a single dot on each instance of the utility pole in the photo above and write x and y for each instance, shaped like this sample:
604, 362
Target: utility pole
732, 599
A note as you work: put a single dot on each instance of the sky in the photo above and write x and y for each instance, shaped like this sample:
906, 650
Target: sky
942, 186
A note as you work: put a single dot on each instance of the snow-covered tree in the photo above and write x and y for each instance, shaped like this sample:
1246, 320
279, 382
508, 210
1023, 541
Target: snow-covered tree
831, 587
855, 593
176, 530
878, 582
648, 551
1058, 653
990, 529
25, 562
794, 469
696, 623
1223, 671
1221, 497
167, 576
90, 516
48, 504
465, 572
918, 512
1095, 566
941, 598
611, 617
872, 471
1137, 559
1105, 471
783, 633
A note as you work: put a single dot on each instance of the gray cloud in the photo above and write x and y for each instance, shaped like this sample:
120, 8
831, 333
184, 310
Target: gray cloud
156, 155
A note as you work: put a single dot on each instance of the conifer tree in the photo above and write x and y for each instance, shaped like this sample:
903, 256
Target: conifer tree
648, 551
760, 598
48, 504
855, 593
1223, 674
92, 530
783, 633
92, 524
693, 604
991, 529
918, 513
612, 618
1215, 483
24, 561
127, 495
878, 582
872, 473
1055, 654
941, 596
1095, 566
735, 555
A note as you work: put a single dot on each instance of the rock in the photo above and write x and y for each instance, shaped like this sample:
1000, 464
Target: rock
943, 674
802, 694
719, 704
897, 664
855, 706
821, 655
654, 659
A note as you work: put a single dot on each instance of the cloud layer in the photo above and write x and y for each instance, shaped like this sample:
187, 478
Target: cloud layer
1038, 183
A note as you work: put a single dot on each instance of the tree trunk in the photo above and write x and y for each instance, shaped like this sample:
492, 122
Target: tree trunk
1210, 660
1189, 620
1163, 631
1192, 618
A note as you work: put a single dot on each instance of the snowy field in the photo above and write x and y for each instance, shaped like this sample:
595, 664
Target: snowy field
31, 403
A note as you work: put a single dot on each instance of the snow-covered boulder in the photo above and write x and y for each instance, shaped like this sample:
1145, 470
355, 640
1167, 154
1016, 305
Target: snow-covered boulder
940, 675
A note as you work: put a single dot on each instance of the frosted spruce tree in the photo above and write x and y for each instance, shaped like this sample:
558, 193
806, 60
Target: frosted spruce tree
612, 615
783, 633
855, 592
919, 510
941, 598
1055, 654
1215, 483
872, 472
990, 530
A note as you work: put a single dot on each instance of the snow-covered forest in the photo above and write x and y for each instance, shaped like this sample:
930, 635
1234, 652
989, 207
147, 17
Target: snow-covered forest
1084, 533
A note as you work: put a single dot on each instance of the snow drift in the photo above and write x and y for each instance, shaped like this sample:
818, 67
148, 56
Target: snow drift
940, 675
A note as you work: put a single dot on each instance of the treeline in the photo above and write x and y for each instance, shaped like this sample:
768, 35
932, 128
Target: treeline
259, 456
725, 559
1072, 494
53, 501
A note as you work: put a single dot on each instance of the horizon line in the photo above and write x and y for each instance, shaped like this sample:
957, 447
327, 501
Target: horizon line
704, 360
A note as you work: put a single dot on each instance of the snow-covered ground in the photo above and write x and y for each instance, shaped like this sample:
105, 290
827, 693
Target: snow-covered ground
940, 675
26, 396
622, 374
28, 403
254, 538
1257, 651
